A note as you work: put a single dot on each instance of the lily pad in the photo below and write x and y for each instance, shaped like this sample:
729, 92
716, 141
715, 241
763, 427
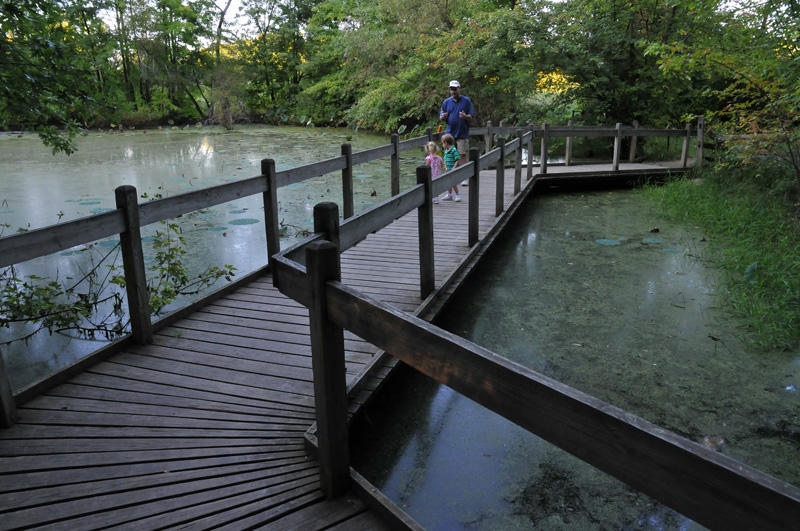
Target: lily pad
237, 211
651, 240
108, 243
89, 203
670, 251
244, 221
604, 241
217, 228
100, 210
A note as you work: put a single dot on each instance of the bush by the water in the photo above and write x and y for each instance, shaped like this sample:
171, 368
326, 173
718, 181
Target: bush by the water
755, 240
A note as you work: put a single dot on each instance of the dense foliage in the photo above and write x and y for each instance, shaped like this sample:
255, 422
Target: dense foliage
66, 65
381, 64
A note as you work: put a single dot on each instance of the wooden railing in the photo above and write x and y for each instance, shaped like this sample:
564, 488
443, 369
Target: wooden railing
129, 216
714, 490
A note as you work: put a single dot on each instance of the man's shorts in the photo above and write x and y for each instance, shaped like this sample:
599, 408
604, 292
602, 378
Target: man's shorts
462, 145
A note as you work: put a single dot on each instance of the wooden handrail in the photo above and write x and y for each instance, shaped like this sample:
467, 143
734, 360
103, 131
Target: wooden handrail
709, 487
355, 229
47, 240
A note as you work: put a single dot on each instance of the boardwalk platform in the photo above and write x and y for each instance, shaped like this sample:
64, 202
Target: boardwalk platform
205, 427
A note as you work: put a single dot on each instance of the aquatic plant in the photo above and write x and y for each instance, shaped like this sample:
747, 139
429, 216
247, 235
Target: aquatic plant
92, 306
754, 241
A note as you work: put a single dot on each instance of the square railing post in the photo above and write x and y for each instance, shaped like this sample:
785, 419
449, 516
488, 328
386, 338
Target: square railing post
518, 163
487, 138
530, 153
685, 147
395, 164
427, 270
271, 224
617, 147
568, 152
698, 155
347, 181
326, 221
500, 170
634, 140
7, 404
328, 367
474, 196
543, 150
133, 265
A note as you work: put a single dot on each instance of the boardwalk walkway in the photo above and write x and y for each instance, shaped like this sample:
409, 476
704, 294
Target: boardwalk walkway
204, 428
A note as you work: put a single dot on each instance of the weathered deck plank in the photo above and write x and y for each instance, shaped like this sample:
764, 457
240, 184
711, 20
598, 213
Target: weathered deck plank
204, 427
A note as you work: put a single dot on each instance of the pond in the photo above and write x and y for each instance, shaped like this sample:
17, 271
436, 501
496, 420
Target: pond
597, 291
38, 189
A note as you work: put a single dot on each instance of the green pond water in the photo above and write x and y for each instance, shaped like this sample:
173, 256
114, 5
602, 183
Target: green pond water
38, 189
596, 290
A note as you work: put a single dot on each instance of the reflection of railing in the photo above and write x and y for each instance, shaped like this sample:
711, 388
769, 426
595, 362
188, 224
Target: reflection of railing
129, 216
704, 485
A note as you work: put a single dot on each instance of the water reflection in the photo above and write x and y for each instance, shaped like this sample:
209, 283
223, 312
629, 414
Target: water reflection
629, 323
38, 189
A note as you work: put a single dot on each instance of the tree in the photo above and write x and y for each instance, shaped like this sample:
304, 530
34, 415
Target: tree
46, 76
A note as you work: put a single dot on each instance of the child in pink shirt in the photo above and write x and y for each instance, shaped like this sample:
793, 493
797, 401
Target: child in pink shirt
435, 162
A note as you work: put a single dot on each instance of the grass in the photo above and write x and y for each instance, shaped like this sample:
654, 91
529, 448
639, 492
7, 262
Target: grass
755, 243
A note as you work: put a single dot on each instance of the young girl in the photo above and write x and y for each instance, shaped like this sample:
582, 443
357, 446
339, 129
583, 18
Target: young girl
434, 161
450, 157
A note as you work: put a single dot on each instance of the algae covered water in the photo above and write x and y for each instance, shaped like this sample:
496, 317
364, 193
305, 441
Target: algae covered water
597, 291
38, 189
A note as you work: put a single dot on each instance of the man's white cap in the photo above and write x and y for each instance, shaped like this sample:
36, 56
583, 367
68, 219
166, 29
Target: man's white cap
455, 84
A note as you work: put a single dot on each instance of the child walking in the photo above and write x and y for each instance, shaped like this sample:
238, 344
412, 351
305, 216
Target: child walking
435, 162
450, 157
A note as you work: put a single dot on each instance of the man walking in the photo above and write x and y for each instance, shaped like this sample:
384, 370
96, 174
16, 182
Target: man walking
458, 111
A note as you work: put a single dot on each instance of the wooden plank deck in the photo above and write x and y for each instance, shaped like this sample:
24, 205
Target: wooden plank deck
204, 428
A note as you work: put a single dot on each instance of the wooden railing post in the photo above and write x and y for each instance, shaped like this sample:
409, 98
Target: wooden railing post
518, 163
698, 156
474, 196
545, 144
530, 153
427, 271
326, 221
328, 367
8, 407
634, 140
500, 177
133, 265
685, 148
395, 164
617, 146
568, 150
271, 224
487, 138
347, 181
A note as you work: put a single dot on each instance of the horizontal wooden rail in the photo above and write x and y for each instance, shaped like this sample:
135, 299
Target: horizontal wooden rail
511, 146
293, 278
47, 240
489, 158
711, 488
178, 205
360, 157
411, 143
355, 229
315, 169
454, 176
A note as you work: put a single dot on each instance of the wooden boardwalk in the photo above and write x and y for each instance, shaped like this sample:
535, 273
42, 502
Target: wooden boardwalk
204, 428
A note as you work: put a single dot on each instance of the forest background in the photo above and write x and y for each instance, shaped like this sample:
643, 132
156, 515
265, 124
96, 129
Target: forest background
72, 65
